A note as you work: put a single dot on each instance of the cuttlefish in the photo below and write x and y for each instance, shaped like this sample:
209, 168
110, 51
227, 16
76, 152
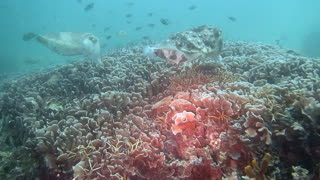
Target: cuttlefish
171, 54
69, 43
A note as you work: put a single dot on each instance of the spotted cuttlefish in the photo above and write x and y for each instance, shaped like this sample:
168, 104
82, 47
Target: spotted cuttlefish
171, 55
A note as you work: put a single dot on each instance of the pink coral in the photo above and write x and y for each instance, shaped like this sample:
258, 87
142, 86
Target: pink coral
183, 121
208, 124
202, 132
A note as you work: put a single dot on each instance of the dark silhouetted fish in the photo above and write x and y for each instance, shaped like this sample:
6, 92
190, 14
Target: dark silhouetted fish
145, 37
128, 22
89, 7
106, 29
165, 21
108, 37
138, 28
293, 52
130, 4
233, 19
129, 15
192, 7
150, 14
151, 25
31, 60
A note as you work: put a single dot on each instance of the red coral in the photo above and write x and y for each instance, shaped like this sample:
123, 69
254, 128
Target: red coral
183, 121
207, 125
195, 134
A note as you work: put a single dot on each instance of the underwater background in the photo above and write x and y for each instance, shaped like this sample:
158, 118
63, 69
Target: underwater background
210, 90
289, 23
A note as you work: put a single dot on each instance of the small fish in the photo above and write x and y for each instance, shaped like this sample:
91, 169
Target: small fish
106, 29
151, 25
129, 15
93, 25
145, 37
31, 60
192, 7
233, 19
89, 7
130, 4
138, 28
165, 21
128, 22
293, 52
108, 37
150, 14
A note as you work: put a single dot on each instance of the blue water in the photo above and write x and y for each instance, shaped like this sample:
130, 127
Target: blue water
293, 22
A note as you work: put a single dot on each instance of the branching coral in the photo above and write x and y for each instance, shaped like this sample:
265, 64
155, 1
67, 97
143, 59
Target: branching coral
258, 170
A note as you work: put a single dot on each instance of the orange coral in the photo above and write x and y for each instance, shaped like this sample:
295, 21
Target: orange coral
256, 170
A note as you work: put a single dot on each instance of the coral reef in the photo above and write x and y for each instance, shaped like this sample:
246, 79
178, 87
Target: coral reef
137, 117
197, 75
256, 170
208, 122
299, 173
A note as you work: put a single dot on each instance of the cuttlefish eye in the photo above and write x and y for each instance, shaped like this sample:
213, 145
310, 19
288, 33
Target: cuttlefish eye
93, 39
